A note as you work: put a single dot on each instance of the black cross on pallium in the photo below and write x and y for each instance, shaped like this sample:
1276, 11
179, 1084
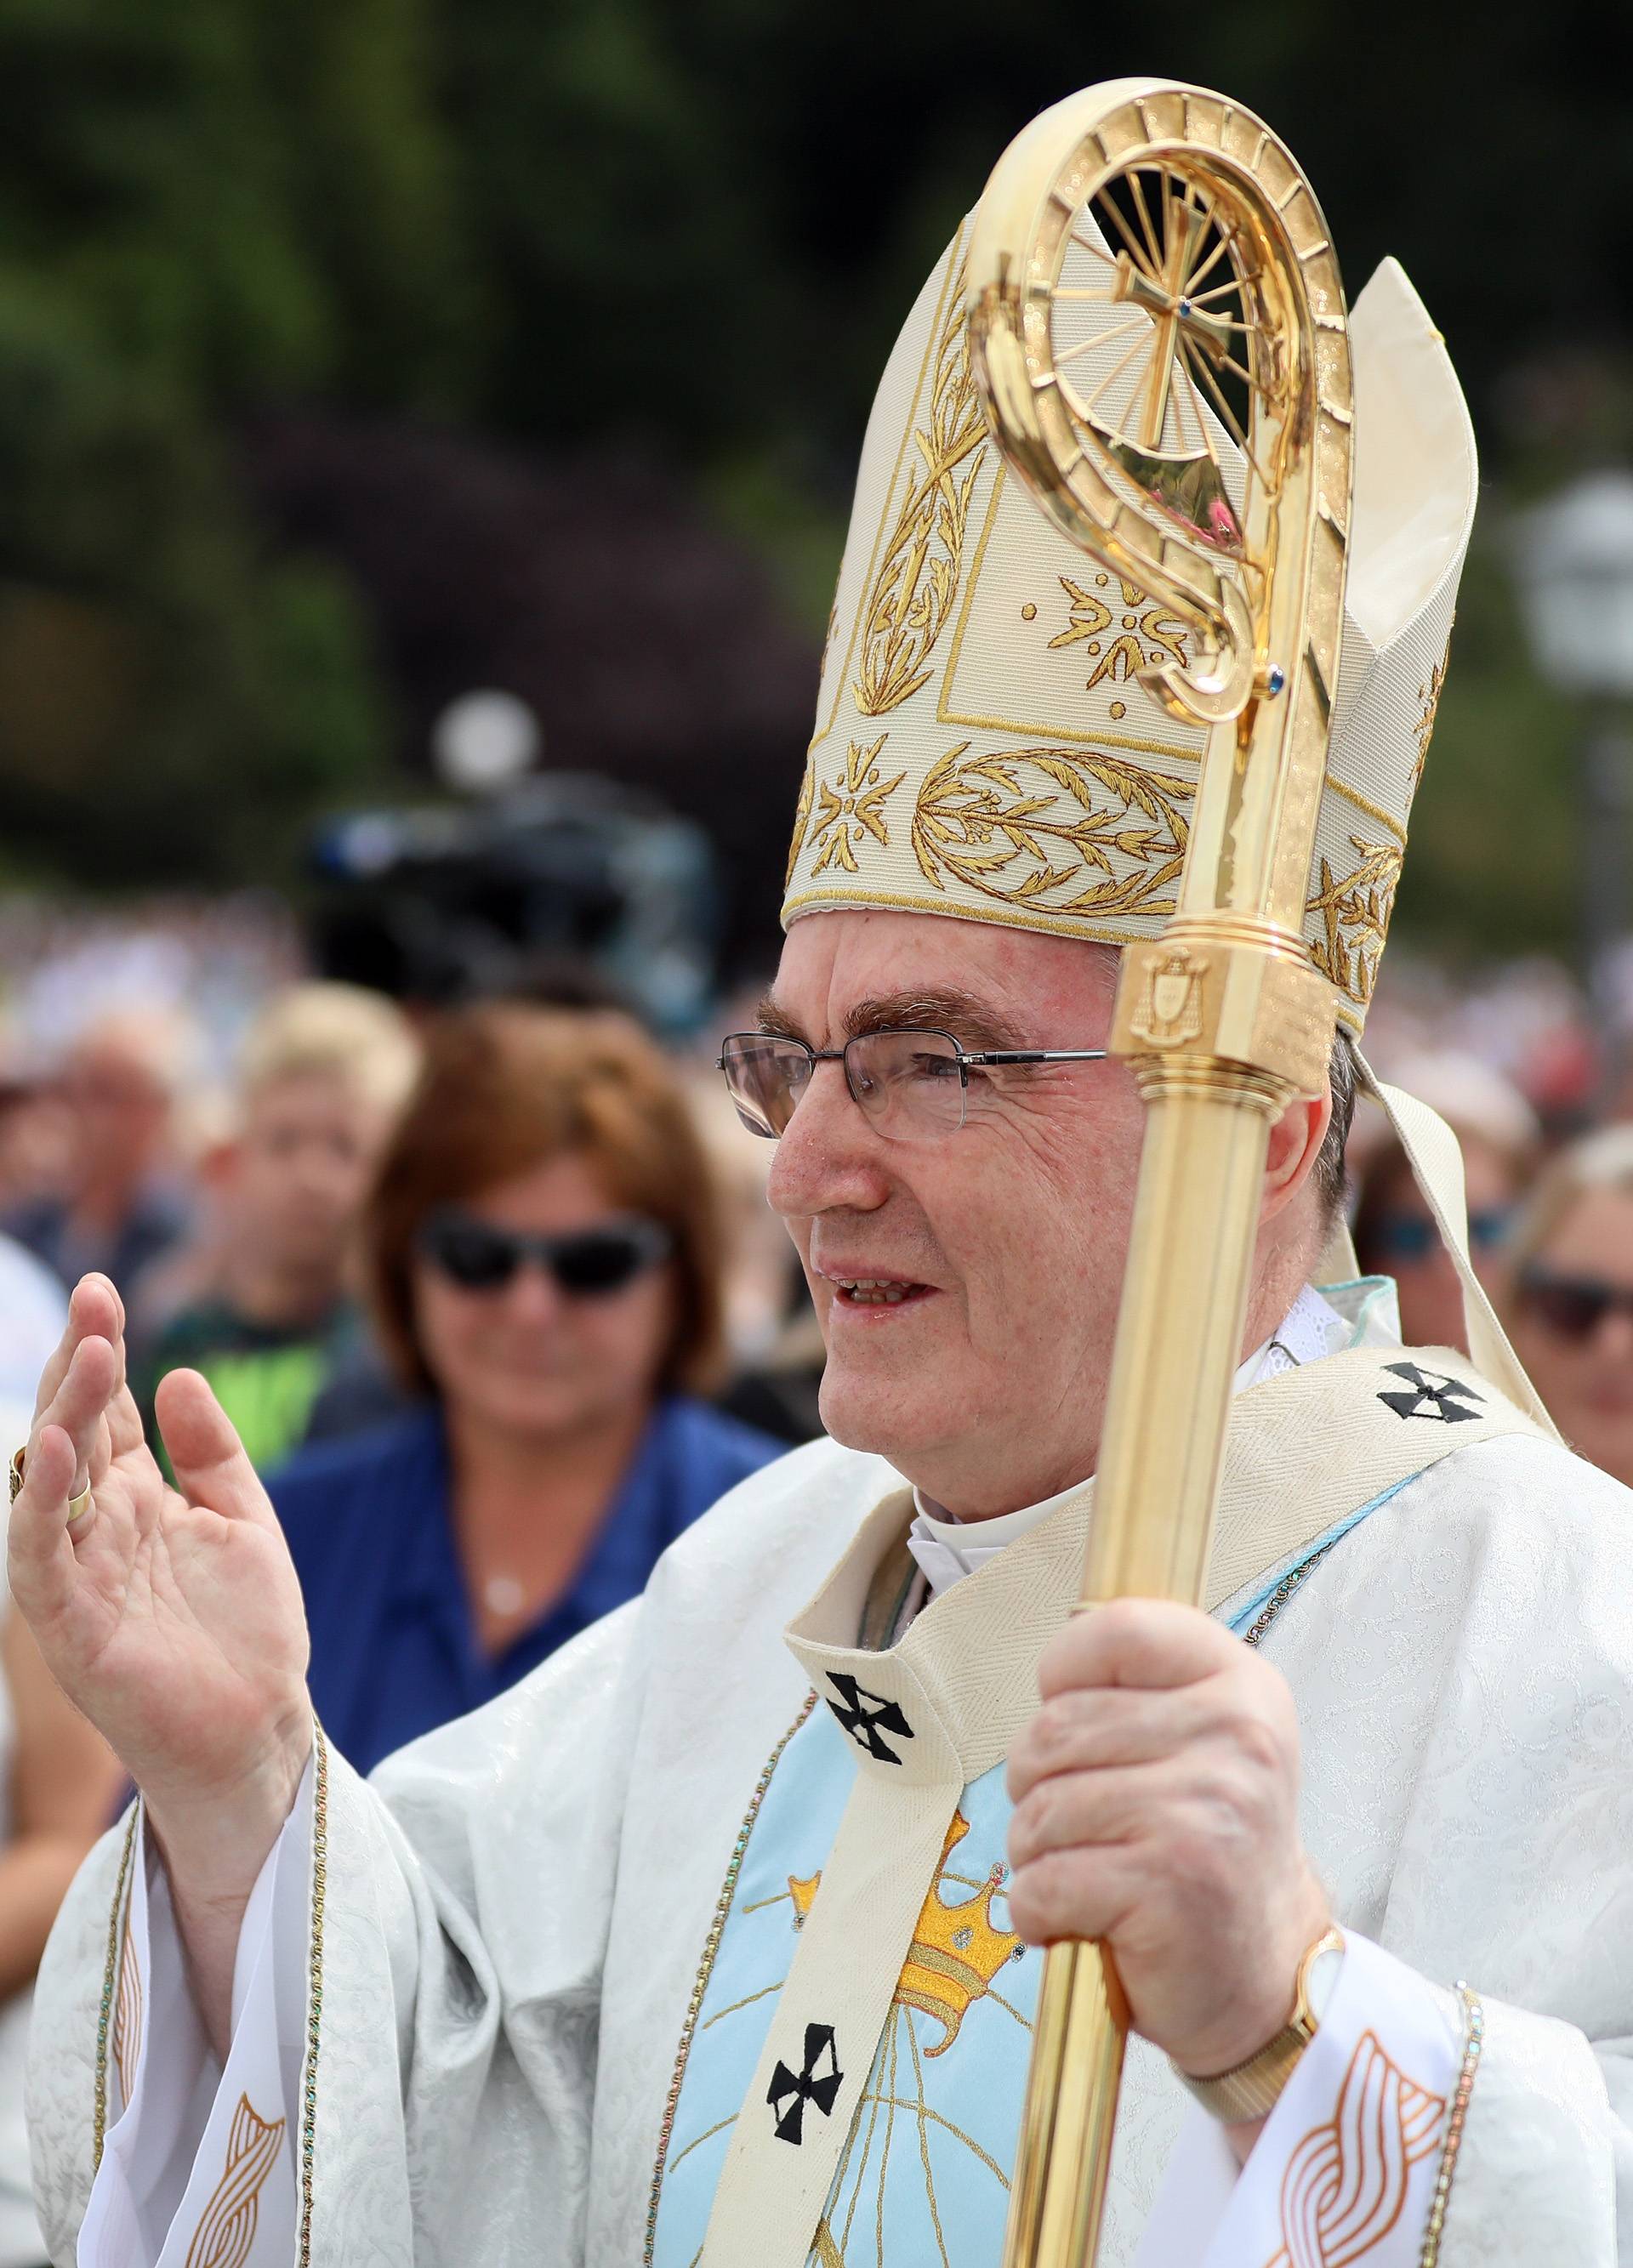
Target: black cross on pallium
866, 1717
790, 2091
1442, 1400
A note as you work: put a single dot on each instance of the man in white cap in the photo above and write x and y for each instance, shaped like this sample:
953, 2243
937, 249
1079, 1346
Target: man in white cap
715, 1941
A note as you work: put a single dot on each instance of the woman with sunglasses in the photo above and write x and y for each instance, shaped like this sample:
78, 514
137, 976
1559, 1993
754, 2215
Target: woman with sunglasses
542, 1251
1569, 1293
1395, 1234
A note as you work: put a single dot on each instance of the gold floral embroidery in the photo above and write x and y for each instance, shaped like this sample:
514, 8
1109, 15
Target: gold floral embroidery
225, 2236
1429, 695
1354, 909
1030, 823
913, 587
1346, 2184
850, 808
801, 819
1147, 635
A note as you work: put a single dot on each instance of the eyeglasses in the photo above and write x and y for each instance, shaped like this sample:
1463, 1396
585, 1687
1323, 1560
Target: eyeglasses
1414, 1236
586, 1264
1572, 1306
914, 1086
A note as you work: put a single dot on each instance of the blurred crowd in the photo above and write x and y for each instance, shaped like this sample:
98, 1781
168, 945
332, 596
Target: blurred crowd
493, 1297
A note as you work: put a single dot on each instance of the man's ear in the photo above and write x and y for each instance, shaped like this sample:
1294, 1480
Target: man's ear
1296, 1140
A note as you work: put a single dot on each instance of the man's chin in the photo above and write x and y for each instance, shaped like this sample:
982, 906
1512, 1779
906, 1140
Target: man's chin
886, 1419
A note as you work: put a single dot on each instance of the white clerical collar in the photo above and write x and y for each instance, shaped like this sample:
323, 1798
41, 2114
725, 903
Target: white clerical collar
947, 1549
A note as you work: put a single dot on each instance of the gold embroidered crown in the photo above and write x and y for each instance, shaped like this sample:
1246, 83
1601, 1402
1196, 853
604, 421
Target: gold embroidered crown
956, 1952
983, 747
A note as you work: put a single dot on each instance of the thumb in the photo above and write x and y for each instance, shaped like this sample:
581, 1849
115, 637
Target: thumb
206, 1456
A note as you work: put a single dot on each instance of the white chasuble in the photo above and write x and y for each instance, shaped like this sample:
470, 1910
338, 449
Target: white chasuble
695, 1949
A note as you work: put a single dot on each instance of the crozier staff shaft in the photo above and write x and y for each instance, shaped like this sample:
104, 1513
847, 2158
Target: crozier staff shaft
1224, 1018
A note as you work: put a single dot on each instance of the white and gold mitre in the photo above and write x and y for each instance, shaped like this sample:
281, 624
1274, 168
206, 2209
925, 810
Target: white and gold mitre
983, 746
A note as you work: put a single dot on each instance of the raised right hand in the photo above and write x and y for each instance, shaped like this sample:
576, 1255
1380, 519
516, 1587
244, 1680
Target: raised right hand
171, 1617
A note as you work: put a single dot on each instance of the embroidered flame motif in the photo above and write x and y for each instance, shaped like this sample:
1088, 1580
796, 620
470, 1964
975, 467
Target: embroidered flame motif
850, 808
226, 2234
1089, 618
127, 2019
1346, 2184
956, 1952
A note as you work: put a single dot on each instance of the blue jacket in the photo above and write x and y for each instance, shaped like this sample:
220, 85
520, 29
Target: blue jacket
395, 1645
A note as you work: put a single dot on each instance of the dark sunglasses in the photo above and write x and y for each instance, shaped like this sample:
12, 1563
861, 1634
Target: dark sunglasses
1414, 1236
1572, 1306
586, 1264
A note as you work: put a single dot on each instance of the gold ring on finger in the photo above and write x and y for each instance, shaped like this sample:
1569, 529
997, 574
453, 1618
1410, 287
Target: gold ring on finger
80, 1507
16, 1470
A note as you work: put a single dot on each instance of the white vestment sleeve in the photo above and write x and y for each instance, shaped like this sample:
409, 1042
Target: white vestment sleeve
1347, 2164
195, 2155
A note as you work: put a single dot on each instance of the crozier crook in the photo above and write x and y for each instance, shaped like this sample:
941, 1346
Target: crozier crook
1158, 330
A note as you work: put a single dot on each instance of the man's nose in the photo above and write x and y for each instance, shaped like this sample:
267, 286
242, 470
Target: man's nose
827, 1158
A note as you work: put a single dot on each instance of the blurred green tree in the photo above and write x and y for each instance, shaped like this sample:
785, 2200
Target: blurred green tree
678, 231
200, 208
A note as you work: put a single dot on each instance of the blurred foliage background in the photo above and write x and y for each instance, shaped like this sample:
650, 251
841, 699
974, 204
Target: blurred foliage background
355, 352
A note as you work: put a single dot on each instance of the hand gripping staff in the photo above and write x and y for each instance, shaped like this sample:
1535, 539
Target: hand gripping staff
1158, 330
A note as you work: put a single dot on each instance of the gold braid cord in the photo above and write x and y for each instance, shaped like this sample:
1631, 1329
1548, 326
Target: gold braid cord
1157, 330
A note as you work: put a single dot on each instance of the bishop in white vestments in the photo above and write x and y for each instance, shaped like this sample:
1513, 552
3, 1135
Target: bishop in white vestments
716, 1942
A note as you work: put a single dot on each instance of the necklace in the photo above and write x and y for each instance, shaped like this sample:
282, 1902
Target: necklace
503, 1594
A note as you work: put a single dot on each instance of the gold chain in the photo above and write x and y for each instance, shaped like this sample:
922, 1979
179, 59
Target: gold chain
722, 1910
314, 1998
1474, 2036
110, 1977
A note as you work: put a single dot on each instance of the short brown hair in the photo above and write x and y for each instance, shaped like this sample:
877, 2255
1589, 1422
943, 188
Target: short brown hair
504, 1088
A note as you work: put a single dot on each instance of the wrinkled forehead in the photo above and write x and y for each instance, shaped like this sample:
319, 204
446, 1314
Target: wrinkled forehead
1004, 986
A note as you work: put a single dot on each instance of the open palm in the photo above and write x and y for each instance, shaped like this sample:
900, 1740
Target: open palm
172, 1616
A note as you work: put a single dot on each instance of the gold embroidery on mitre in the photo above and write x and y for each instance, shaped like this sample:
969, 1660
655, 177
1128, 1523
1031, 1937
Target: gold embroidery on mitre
1149, 634
801, 820
913, 587
1355, 910
1429, 695
1027, 824
850, 809
1345, 2187
226, 2236
956, 1952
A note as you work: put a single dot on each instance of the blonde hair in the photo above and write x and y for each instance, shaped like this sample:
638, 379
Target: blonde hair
1603, 1161
339, 1031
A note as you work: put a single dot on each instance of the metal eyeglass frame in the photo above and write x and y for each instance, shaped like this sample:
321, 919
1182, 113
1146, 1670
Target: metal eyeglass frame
982, 1058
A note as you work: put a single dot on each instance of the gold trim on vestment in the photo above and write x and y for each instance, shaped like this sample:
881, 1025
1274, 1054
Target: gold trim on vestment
117, 1921
904, 901
705, 1969
127, 2019
1474, 2039
314, 1998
